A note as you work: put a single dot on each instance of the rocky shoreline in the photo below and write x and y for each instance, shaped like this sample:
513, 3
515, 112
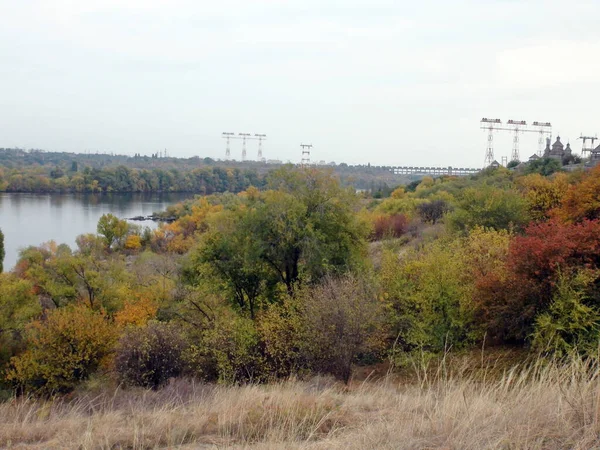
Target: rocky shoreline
153, 217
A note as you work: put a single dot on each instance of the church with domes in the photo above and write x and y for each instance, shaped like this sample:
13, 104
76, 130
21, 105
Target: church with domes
558, 150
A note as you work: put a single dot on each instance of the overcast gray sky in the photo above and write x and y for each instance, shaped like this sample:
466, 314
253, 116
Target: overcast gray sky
385, 82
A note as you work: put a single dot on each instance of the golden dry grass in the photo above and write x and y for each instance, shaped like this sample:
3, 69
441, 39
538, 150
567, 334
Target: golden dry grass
549, 407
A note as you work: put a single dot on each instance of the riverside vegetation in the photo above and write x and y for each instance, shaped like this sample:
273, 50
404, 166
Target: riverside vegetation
303, 315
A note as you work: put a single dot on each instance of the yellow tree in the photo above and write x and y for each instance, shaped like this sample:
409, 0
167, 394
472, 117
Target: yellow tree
543, 193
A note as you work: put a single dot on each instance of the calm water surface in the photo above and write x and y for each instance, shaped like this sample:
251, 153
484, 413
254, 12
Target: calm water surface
32, 219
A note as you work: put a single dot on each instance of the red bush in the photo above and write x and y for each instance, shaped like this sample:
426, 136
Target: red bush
508, 305
389, 226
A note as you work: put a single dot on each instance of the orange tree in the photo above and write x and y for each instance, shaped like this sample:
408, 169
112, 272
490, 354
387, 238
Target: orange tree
582, 200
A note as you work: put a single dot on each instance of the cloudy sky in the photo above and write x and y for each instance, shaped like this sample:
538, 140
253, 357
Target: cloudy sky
379, 81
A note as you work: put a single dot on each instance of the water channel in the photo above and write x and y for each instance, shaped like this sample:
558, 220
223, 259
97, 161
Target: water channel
32, 219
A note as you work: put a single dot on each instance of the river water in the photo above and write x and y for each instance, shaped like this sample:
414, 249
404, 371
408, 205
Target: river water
32, 219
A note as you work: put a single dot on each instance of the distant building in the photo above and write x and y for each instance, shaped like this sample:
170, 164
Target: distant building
558, 150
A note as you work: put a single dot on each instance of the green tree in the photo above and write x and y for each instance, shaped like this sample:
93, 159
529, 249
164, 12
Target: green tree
229, 253
303, 230
112, 229
319, 223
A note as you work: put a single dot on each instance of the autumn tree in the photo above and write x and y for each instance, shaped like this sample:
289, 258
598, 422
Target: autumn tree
582, 200
543, 194
136, 312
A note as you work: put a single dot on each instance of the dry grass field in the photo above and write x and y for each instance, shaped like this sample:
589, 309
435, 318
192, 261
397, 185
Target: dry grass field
549, 407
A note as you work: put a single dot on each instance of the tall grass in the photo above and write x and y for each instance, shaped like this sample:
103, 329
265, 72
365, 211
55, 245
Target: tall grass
540, 406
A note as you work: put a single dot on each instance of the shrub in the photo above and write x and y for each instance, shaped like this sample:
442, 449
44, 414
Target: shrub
150, 355
432, 211
63, 350
569, 324
282, 333
429, 291
344, 320
133, 242
232, 345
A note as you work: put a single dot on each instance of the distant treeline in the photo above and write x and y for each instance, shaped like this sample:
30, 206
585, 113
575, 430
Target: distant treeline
41, 171
122, 179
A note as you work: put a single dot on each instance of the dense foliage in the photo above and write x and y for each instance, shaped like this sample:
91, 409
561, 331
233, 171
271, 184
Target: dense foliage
305, 276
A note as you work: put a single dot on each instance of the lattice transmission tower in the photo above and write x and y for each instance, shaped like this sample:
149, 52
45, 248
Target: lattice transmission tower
544, 129
228, 136
491, 125
261, 138
244, 136
518, 127
305, 154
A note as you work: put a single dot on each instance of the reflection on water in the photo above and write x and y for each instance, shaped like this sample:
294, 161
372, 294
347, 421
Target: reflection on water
31, 219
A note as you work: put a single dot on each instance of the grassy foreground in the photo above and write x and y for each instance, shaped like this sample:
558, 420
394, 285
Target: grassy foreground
551, 407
